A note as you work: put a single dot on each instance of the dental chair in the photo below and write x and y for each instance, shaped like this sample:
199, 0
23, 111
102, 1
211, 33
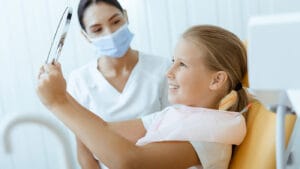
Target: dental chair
257, 151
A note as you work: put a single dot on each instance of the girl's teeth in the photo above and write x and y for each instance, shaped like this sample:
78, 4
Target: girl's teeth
173, 86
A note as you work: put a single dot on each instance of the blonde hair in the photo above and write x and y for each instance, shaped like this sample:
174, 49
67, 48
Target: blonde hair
225, 52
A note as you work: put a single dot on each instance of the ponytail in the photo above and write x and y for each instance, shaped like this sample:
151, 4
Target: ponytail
241, 101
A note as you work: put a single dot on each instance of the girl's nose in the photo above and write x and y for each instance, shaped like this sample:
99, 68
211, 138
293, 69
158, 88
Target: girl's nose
170, 73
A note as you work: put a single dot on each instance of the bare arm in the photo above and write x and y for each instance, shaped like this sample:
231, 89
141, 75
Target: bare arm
132, 130
126, 129
112, 149
124, 153
85, 157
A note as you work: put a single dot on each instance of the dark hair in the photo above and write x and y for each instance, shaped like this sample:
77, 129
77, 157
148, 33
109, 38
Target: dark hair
84, 4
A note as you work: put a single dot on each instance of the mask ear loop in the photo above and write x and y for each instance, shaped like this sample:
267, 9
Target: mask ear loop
85, 35
126, 16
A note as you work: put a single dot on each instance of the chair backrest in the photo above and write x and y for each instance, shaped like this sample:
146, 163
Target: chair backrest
258, 148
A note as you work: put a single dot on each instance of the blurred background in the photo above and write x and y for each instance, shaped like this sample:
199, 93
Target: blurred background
26, 30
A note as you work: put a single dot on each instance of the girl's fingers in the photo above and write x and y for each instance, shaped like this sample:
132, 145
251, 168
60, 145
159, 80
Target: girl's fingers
54, 67
58, 65
42, 70
50, 68
47, 68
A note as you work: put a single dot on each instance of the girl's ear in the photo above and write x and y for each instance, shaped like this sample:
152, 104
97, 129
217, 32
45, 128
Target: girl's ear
218, 80
85, 36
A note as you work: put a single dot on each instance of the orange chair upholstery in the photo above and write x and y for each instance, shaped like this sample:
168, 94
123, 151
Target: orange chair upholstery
258, 148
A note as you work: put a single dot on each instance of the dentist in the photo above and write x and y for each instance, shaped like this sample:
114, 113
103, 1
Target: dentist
120, 83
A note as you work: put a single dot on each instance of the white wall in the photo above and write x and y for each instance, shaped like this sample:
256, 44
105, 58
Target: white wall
26, 28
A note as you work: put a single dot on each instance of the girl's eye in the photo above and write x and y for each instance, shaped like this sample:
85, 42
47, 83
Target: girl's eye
182, 64
173, 60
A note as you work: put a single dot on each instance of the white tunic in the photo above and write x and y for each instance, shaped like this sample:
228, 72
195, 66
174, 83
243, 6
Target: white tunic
145, 91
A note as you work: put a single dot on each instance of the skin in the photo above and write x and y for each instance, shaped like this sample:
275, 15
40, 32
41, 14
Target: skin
189, 79
118, 149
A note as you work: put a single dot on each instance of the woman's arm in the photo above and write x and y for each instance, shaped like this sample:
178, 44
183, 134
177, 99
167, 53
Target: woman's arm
132, 130
112, 149
127, 129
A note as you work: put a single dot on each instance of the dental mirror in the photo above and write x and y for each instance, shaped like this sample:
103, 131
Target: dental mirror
59, 36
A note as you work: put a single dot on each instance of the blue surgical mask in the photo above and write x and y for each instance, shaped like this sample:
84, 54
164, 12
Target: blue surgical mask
114, 45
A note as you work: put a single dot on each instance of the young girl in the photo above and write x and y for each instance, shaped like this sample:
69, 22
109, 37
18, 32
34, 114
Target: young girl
209, 63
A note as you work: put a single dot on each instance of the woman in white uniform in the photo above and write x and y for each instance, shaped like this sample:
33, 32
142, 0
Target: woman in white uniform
120, 83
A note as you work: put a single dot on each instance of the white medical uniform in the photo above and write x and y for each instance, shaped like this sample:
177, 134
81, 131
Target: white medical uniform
211, 155
145, 91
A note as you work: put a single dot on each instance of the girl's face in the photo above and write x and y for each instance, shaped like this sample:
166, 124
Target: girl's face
102, 19
189, 79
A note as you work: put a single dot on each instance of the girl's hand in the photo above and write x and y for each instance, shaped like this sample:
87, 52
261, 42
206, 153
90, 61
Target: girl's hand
51, 87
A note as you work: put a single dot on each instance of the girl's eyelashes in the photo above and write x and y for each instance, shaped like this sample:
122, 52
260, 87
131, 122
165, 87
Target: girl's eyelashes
182, 64
179, 63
